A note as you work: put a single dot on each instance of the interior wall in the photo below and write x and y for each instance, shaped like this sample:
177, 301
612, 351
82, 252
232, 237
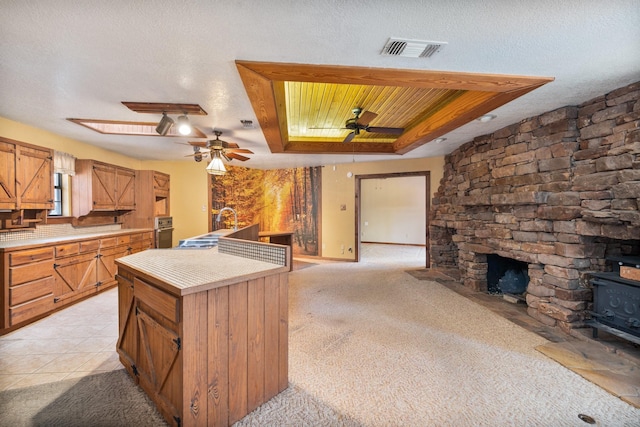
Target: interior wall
189, 204
338, 198
188, 179
189, 184
393, 210
31, 135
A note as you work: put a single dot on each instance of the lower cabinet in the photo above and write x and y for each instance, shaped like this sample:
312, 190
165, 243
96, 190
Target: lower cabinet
149, 342
30, 279
39, 280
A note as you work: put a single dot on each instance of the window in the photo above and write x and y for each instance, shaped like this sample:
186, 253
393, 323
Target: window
57, 195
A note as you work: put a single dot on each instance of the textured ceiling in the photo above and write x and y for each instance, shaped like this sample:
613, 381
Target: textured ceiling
63, 58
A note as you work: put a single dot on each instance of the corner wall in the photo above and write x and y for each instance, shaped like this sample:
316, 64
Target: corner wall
338, 226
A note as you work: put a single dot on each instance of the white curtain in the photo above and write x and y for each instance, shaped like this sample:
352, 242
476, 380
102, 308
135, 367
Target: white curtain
64, 163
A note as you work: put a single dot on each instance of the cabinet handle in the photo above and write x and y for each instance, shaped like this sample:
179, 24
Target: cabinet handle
56, 299
56, 265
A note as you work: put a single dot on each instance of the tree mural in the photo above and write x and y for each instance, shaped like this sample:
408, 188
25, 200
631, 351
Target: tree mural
279, 200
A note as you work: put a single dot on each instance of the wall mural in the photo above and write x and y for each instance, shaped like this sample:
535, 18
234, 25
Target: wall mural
279, 200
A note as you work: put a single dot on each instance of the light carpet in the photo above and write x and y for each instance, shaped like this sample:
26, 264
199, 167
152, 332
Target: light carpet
372, 346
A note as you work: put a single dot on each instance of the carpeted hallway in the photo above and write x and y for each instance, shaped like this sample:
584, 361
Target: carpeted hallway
370, 345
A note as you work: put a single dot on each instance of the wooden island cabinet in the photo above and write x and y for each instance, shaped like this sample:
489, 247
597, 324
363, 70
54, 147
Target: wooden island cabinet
207, 346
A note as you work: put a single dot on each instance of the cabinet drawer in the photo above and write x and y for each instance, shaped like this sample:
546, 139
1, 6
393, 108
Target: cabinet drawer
135, 237
109, 242
165, 304
31, 290
29, 310
67, 249
122, 240
31, 255
74, 260
30, 272
89, 246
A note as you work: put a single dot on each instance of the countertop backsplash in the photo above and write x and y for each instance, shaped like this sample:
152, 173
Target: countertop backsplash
54, 230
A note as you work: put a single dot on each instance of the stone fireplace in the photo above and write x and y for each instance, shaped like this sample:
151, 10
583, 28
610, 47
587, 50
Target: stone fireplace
559, 192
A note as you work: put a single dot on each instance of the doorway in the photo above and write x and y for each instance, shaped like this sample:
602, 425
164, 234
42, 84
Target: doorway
358, 206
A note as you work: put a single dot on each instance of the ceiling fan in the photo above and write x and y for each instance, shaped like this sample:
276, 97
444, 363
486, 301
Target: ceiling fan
361, 123
227, 150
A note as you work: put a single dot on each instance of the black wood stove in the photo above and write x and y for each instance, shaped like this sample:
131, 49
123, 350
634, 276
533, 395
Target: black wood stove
616, 303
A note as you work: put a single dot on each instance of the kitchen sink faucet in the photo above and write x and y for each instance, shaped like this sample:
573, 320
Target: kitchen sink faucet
235, 216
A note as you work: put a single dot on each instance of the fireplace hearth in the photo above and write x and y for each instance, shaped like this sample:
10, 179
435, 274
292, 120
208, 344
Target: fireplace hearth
506, 275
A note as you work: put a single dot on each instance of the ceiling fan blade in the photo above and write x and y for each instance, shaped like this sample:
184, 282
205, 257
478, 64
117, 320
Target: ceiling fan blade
227, 158
366, 118
389, 131
230, 145
198, 144
236, 156
240, 150
349, 137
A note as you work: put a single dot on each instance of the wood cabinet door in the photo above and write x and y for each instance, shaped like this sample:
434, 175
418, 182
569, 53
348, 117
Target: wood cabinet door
161, 183
74, 276
8, 194
159, 362
34, 172
103, 187
127, 325
106, 268
125, 189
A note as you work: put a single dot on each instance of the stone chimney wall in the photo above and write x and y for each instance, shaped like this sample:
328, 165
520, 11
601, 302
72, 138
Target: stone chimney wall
559, 191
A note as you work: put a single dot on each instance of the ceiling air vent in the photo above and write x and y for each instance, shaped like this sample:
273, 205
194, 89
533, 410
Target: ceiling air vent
411, 48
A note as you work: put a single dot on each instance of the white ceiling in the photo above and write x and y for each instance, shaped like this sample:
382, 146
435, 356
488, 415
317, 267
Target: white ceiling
78, 58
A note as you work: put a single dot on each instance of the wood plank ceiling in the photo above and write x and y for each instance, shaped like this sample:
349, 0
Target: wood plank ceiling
303, 108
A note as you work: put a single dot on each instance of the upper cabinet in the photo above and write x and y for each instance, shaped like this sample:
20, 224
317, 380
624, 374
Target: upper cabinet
8, 194
101, 187
152, 199
34, 174
26, 173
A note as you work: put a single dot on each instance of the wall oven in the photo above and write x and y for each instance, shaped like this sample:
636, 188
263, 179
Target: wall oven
164, 231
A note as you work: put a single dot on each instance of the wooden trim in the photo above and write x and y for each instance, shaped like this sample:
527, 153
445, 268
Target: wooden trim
264, 83
165, 107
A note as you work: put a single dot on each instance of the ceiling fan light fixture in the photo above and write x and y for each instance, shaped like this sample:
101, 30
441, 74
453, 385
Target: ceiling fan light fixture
216, 167
184, 128
165, 124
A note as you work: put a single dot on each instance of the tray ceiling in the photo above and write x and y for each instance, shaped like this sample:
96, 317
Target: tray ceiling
303, 108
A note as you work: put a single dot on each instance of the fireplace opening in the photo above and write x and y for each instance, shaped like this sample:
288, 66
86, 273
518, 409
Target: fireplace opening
506, 275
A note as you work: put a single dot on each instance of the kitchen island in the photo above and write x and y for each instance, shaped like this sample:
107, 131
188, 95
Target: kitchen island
204, 332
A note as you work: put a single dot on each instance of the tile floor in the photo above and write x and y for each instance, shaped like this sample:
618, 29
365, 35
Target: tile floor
74, 342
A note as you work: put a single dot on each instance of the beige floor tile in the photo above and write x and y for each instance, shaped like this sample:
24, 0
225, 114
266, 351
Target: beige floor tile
15, 364
66, 362
95, 344
37, 379
101, 361
7, 381
40, 346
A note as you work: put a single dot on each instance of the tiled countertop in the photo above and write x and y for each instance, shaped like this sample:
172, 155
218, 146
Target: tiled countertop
40, 241
188, 271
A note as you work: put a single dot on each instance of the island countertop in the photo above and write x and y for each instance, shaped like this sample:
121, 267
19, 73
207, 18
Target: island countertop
187, 271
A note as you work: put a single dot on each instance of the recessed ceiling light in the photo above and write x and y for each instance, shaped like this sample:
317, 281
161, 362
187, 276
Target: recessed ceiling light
439, 140
486, 118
